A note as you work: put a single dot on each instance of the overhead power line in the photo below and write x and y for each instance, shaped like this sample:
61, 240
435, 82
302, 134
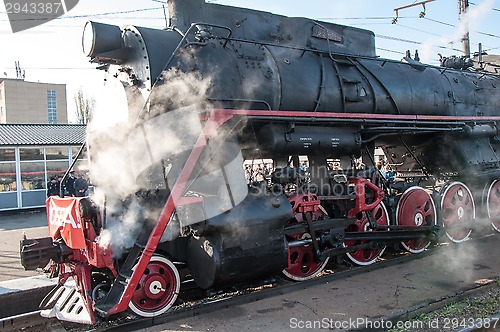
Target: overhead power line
404, 26
115, 13
361, 18
419, 30
430, 33
454, 26
491, 49
413, 42
398, 39
495, 9
388, 50
54, 68
89, 15
322, 18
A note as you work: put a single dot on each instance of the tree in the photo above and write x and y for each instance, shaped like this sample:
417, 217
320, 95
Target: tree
84, 106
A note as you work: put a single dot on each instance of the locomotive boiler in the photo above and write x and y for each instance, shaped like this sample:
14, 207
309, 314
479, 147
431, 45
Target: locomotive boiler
221, 85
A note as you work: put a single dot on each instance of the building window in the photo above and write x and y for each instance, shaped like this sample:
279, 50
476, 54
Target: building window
8, 176
57, 153
7, 170
32, 175
31, 154
51, 106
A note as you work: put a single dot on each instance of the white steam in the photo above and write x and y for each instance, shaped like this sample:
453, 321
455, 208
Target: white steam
121, 233
458, 260
471, 20
128, 158
119, 155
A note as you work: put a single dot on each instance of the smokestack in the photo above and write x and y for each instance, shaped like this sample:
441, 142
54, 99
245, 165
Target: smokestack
185, 12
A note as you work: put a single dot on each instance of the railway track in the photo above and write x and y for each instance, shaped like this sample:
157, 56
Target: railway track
192, 303
31, 321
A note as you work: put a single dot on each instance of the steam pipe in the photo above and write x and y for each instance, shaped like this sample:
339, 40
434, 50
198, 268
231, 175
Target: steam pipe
299, 243
481, 130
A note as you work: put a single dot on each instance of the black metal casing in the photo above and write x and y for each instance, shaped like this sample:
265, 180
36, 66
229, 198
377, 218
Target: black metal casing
241, 244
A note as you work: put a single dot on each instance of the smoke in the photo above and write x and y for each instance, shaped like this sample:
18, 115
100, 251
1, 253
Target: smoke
469, 21
135, 163
458, 261
122, 156
179, 90
122, 229
475, 16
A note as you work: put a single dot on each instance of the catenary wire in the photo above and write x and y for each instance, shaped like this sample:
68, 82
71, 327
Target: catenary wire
454, 26
495, 9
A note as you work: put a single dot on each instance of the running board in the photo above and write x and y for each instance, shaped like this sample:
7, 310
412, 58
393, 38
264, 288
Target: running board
67, 304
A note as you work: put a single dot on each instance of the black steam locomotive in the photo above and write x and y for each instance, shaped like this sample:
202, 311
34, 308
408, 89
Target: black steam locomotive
222, 85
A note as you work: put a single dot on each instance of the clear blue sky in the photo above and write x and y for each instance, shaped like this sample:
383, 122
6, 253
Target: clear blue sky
52, 52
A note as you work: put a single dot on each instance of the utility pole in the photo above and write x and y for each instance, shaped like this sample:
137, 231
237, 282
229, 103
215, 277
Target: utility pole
463, 6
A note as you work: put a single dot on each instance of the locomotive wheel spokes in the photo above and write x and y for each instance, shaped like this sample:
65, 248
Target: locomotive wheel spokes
158, 288
493, 204
302, 263
367, 256
416, 208
457, 207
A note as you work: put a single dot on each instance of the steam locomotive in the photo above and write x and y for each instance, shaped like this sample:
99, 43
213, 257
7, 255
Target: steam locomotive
221, 85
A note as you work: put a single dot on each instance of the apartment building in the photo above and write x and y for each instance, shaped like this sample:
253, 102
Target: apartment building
23, 102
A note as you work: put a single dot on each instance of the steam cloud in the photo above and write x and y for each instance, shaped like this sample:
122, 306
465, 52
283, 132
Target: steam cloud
458, 260
470, 20
128, 158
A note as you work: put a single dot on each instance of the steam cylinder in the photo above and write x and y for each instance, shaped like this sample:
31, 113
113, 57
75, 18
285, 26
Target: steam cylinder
244, 243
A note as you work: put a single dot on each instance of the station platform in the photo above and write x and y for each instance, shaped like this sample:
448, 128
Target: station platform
12, 227
20, 289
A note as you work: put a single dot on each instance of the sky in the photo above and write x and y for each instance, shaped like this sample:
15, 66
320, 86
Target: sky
52, 52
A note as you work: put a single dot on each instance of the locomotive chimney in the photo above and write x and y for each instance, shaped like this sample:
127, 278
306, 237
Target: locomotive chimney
184, 12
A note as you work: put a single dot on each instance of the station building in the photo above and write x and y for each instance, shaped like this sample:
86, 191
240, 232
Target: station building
30, 154
36, 141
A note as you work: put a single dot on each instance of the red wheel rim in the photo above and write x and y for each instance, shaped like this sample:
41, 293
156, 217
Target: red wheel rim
493, 204
457, 207
367, 256
302, 265
157, 289
416, 208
